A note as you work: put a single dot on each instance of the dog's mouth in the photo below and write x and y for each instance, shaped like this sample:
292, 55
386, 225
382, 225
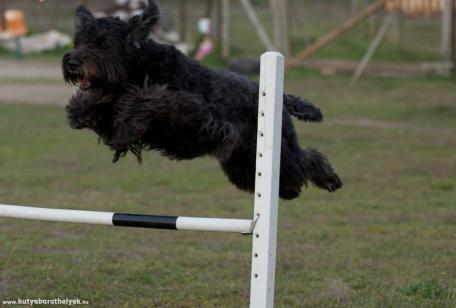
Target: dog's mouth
78, 77
82, 82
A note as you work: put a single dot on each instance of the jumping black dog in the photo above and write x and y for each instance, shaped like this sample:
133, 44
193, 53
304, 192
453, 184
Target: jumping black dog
137, 94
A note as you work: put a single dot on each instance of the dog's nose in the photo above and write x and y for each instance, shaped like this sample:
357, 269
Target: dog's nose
73, 64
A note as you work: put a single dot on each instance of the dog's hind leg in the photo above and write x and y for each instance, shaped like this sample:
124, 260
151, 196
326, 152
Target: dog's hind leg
292, 176
240, 167
318, 170
299, 167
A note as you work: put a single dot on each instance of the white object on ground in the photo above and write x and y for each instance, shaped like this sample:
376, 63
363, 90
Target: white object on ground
40, 42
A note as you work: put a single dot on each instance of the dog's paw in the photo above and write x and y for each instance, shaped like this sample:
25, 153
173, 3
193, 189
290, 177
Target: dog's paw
319, 171
86, 109
327, 179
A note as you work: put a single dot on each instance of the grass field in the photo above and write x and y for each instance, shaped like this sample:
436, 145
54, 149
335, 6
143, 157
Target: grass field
387, 239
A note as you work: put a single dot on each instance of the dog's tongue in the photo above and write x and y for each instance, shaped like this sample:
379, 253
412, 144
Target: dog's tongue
83, 83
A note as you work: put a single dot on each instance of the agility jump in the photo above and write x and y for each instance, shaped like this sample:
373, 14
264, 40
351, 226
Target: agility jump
263, 225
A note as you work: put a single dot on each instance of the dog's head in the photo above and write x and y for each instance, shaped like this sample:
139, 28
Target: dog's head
103, 47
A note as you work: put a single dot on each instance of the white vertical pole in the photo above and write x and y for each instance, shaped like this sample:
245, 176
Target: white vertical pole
267, 180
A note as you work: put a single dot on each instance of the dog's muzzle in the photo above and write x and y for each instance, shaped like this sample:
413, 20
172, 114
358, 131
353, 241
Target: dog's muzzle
75, 72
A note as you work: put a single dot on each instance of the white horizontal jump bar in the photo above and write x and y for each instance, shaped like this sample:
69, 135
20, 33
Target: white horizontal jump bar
127, 220
213, 224
73, 216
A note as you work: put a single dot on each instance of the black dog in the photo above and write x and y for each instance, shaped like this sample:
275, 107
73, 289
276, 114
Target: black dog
137, 94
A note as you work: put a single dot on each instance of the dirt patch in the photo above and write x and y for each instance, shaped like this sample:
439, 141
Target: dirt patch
337, 290
27, 69
369, 123
377, 124
35, 94
66, 234
69, 165
31, 82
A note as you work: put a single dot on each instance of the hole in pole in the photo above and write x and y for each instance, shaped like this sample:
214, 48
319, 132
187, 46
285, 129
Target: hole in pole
262, 114
257, 235
256, 275
259, 173
255, 255
259, 195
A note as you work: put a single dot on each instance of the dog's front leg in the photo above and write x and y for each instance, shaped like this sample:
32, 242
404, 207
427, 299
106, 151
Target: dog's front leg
90, 109
141, 110
177, 122
135, 110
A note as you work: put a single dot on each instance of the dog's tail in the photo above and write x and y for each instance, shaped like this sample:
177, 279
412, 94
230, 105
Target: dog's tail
302, 109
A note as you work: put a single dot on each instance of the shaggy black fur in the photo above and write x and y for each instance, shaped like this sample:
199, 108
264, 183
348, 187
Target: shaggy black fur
138, 94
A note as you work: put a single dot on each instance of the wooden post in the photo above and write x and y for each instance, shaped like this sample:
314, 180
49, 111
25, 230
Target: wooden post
209, 6
224, 25
449, 32
218, 31
281, 25
332, 36
262, 34
400, 27
372, 48
372, 23
453, 36
183, 20
290, 20
2, 15
354, 6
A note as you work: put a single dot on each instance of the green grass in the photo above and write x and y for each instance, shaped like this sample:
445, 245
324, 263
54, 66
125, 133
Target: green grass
387, 239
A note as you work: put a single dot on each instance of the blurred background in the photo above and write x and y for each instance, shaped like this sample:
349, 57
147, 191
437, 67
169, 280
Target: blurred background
381, 71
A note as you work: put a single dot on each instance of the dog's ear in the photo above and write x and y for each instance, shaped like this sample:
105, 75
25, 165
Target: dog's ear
84, 17
139, 26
